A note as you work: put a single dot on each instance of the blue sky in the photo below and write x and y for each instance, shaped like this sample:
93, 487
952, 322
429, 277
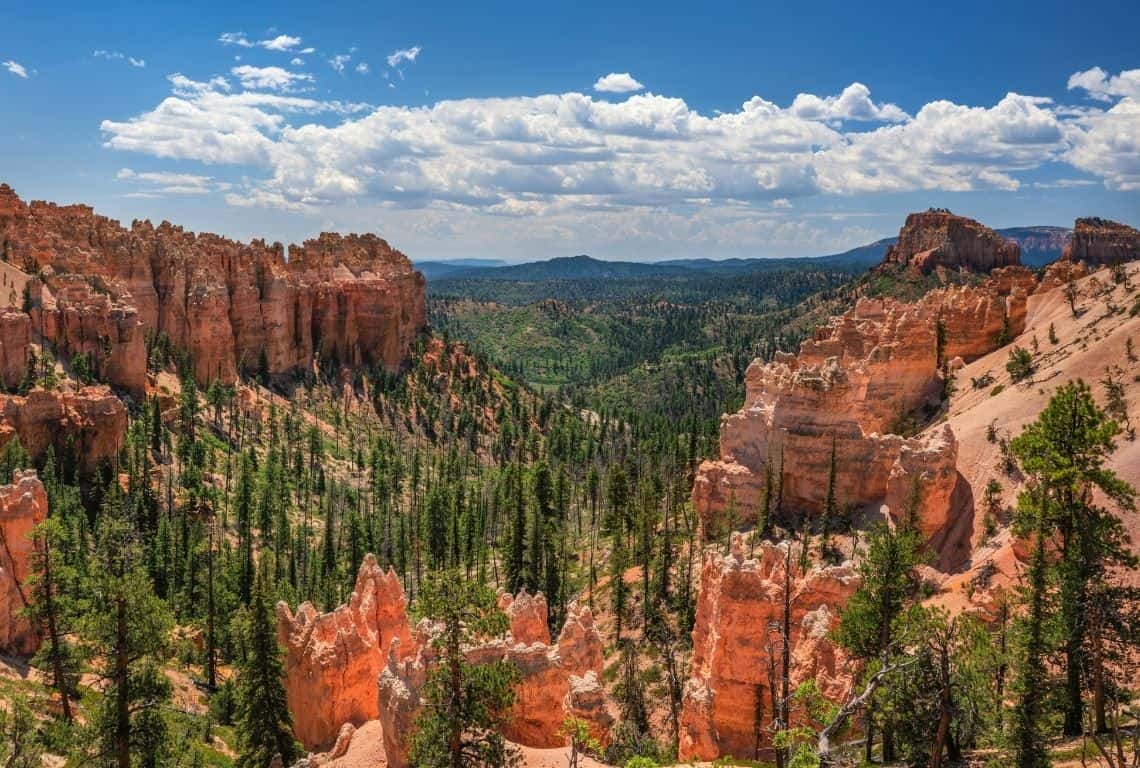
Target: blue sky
522, 131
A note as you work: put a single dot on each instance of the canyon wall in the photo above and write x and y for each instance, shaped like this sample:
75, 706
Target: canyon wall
727, 704
1099, 241
23, 506
938, 238
841, 399
14, 333
87, 426
232, 307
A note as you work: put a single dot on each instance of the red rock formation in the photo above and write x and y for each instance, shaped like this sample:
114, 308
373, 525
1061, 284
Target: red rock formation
552, 684
13, 347
847, 391
528, 615
79, 318
398, 694
88, 426
940, 239
332, 660
23, 506
337, 299
1099, 241
740, 599
1060, 272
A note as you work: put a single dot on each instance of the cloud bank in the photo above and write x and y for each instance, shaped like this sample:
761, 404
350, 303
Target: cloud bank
558, 153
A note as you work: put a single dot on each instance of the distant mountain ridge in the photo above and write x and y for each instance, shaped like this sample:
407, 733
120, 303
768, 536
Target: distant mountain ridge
1039, 245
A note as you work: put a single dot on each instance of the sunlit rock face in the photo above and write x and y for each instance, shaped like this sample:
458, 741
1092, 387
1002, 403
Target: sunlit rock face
738, 612
555, 680
934, 239
363, 661
337, 300
841, 400
1100, 241
23, 506
332, 659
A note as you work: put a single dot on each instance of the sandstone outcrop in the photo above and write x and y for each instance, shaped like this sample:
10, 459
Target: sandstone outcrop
87, 426
553, 682
80, 319
347, 300
332, 660
23, 506
841, 399
1060, 272
14, 331
741, 598
1099, 241
938, 238
364, 662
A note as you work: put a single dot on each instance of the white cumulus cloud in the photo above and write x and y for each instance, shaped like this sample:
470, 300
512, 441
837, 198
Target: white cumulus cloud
269, 78
854, 103
1102, 86
280, 43
118, 56
15, 68
617, 82
573, 157
404, 55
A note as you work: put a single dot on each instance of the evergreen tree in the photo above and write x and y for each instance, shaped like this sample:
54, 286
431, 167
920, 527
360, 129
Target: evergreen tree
868, 622
127, 627
464, 705
1064, 454
54, 611
265, 725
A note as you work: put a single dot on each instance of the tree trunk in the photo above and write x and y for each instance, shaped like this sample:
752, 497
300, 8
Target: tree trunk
946, 710
122, 692
211, 640
54, 642
1073, 706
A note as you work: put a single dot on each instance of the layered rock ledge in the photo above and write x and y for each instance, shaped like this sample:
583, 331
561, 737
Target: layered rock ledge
938, 238
1099, 241
100, 288
840, 402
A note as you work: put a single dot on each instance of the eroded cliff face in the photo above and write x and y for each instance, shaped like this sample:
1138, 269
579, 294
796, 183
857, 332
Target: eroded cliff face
727, 704
332, 660
556, 680
231, 306
87, 426
364, 662
937, 238
1100, 241
839, 401
23, 506
14, 330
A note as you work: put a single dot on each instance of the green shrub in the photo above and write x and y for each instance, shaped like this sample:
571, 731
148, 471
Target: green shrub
1020, 365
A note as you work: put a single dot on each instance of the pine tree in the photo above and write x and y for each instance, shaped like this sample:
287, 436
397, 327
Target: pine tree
516, 555
1064, 454
867, 623
127, 627
265, 726
54, 610
464, 706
